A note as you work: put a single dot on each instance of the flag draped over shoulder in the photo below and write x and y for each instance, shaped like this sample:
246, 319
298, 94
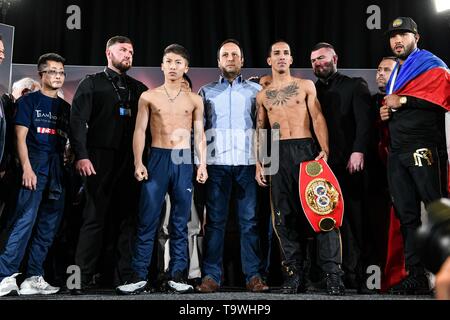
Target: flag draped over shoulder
424, 76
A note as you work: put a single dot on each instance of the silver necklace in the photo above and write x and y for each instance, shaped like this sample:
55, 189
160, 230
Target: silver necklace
168, 97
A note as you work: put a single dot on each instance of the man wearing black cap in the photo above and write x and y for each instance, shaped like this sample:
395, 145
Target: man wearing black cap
417, 99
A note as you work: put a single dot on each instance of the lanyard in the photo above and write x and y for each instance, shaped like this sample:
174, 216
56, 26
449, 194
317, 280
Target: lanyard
116, 89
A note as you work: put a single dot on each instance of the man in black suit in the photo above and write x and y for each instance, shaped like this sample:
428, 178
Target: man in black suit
103, 116
346, 106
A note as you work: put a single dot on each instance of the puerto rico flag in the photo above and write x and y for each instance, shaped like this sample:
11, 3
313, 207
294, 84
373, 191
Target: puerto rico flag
424, 76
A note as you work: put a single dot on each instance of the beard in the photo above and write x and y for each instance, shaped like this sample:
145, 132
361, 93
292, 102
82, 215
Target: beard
382, 89
121, 65
326, 71
403, 55
381, 83
230, 74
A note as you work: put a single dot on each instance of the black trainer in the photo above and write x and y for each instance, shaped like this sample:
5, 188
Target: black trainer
86, 288
161, 282
293, 281
413, 284
335, 285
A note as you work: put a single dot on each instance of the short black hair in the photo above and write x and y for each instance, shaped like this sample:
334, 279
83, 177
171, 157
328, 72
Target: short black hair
118, 39
269, 51
389, 58
189, 81
42, 61
321, 45
1, 37
177, 49
230, 40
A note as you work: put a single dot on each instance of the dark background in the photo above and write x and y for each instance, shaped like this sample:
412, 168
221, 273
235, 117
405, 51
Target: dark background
201, 25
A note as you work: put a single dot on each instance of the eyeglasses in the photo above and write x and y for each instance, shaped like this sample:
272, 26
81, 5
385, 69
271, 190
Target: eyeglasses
53, 73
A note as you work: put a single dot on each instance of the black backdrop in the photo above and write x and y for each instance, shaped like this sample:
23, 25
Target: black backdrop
201, 25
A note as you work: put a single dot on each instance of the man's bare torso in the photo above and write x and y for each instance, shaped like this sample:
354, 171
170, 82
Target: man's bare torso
170, 122
286, 108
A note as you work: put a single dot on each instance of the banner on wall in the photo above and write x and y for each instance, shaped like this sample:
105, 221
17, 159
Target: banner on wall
153, 76
7, 33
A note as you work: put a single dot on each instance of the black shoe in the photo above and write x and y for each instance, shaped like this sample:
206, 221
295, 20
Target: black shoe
195, 281
362, 289
335, 285
293, 281
77, 292
84, 289
412, 285
161, 282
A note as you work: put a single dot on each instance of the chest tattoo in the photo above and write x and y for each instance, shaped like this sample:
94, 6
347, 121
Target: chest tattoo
280, 97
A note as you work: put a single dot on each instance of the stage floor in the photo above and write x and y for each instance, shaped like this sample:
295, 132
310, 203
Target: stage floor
229, 294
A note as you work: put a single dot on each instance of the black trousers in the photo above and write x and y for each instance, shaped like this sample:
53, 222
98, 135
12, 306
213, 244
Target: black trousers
289, 221
108, 227
410, 184
354, 190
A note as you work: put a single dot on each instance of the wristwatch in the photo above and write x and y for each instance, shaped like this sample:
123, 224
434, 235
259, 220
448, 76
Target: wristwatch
403, 100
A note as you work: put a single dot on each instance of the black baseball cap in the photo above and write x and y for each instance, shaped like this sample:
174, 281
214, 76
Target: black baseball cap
402, 24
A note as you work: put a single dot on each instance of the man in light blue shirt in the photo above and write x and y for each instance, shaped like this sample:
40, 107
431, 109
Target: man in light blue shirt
230, 114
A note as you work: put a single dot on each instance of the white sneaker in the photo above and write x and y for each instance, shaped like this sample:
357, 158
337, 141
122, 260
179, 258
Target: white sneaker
37, 285
8, 286
132, 288
179, 287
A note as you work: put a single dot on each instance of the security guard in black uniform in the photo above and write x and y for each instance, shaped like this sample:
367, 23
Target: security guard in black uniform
102, 123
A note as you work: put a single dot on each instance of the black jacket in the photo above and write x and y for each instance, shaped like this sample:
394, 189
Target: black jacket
95, 115
346, 107
417, 124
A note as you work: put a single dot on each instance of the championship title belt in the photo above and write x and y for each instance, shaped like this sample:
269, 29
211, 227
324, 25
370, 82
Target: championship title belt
320, 196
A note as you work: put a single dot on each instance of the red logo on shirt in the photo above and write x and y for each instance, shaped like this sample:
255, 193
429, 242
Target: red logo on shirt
46, 130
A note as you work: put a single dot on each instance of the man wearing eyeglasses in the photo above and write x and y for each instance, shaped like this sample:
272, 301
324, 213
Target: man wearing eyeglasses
42, 124
102, 123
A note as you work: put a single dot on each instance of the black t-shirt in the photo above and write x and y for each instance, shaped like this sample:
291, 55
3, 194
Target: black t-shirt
47, 120
417, 124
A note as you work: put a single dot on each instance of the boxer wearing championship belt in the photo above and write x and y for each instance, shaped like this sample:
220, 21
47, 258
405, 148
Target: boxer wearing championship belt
288, 103
320, 196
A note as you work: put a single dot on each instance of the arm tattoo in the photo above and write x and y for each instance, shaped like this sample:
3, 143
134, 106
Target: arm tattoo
259, 117
277, 97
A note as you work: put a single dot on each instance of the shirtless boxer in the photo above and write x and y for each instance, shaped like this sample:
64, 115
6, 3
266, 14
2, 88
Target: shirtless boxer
288, 103
171, 111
